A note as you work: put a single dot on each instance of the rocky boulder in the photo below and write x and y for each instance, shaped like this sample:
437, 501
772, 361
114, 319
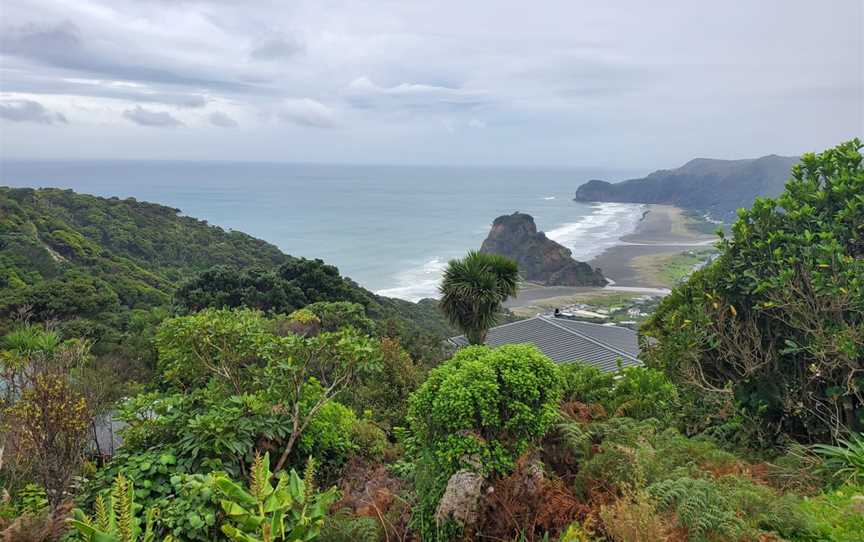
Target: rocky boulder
540, 259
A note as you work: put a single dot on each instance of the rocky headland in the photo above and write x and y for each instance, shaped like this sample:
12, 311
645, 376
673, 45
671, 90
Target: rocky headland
541, 260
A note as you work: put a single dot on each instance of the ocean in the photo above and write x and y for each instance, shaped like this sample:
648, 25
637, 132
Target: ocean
390, 228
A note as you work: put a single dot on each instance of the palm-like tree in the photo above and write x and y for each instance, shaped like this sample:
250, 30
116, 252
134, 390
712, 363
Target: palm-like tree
473, 290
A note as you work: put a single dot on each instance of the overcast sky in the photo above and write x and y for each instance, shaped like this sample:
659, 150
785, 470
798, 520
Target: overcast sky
624, 83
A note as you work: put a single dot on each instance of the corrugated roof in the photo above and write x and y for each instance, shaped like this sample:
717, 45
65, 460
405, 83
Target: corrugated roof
566, 340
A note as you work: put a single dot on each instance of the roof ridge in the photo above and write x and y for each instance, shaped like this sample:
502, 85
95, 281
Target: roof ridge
587, 338
537, 317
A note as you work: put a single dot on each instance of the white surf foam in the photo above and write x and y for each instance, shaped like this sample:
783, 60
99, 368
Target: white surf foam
592, 234
417, 283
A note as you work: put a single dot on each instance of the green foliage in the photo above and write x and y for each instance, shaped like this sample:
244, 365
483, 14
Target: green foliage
211, 343
186, 502
31, 499
486, 403
343, 527
386, 396
699, 506
481, 409
329, 437
69, 256
634, 392
116, 517
318, 287
846, 460
586, 383
836, 515
473, 289
290, 510
335, 315
775, 325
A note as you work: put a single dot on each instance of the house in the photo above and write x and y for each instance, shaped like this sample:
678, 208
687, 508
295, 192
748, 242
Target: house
564, 340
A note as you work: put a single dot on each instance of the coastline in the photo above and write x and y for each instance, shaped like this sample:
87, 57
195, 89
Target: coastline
640, 264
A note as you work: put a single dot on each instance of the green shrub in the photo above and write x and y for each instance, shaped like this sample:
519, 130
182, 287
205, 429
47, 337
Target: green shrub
635, 392
486, 403
775, 325
586, 383
371, 440
481, 409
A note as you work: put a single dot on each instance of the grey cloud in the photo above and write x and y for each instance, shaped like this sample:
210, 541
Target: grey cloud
307, 112
276, 48
62, 46
146, 117
56, 83
217, 118
52, 44
29, 111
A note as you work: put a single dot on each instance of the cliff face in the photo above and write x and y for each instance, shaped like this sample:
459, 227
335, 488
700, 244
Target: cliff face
716, 186
540, 259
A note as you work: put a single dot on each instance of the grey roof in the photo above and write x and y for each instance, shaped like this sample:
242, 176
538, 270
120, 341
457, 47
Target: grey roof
566, 340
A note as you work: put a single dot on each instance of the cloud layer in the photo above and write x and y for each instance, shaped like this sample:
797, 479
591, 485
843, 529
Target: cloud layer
491, 81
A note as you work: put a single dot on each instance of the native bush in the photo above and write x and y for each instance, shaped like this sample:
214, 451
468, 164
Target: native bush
486, 403
634, 392
775, 325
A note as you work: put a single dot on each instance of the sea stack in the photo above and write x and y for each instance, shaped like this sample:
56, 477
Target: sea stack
540, 259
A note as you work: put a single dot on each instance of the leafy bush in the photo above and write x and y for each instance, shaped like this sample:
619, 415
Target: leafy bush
486, 403
775, 325
586, 383
635, 392
481, 409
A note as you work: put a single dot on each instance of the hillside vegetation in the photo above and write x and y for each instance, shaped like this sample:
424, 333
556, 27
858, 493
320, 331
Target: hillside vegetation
105, 268
317, 424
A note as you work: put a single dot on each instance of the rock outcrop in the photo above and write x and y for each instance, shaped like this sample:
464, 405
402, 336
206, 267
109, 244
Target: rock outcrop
540, 259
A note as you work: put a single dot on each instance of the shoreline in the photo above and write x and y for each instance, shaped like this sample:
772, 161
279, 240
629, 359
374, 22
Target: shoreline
639, 265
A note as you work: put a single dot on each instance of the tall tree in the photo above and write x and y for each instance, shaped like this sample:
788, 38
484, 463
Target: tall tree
473, 290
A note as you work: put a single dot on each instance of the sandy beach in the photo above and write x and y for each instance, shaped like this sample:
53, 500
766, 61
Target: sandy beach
642, 261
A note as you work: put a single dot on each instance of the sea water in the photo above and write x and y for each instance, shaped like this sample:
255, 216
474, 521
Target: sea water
390, 228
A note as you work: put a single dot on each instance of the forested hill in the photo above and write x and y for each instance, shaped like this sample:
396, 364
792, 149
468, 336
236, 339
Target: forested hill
140, 249
718, 187
93, 265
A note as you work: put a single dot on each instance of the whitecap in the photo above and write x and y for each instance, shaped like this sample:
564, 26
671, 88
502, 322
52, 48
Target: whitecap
418, 282
592, 234
547, 198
